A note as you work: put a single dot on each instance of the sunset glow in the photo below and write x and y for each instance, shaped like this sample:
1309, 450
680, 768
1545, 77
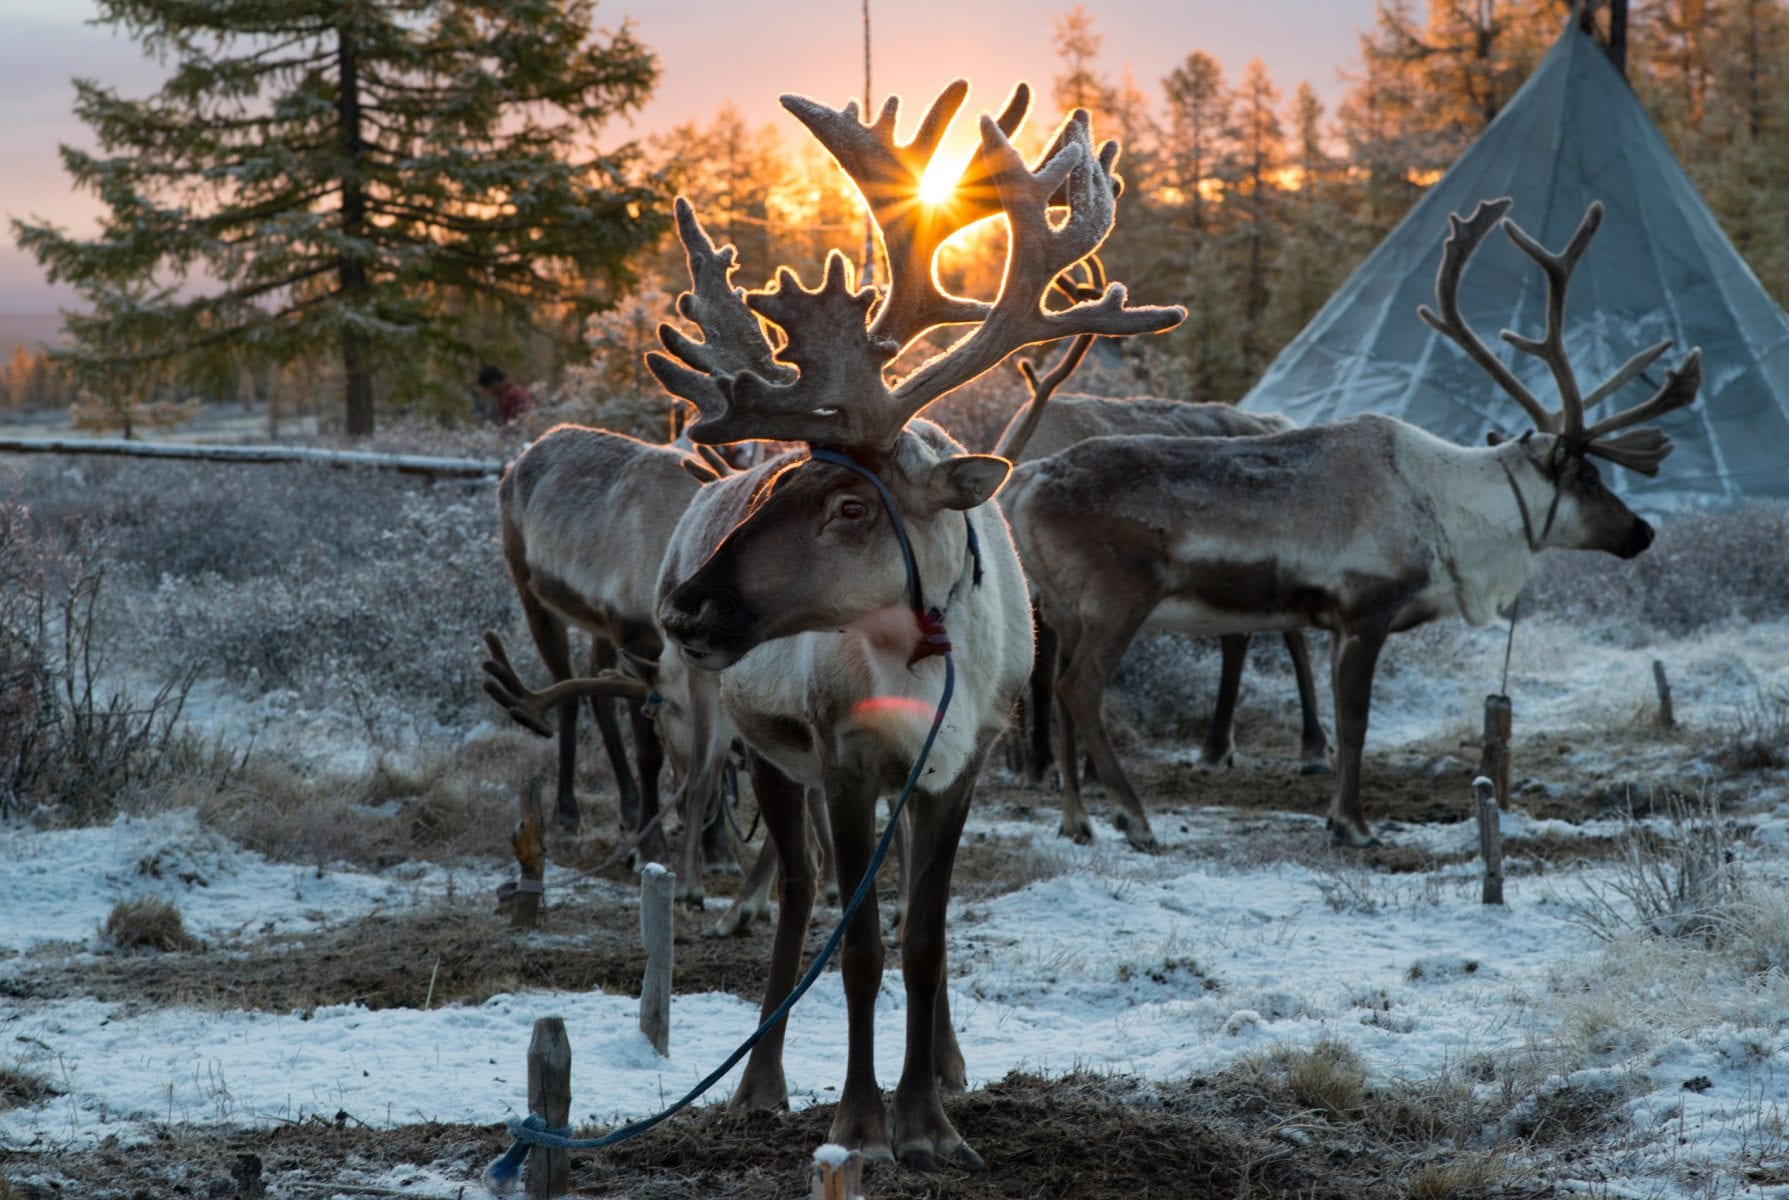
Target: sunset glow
940, 180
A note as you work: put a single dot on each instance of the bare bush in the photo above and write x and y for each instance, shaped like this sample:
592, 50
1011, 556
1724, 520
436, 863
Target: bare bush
1703, 568
65, 741
1684, 882
1757, 737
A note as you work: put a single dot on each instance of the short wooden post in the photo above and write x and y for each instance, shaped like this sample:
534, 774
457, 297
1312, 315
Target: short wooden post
530, 845
838, 1173
1490, 837
1494, 763
548, 1171
656, 929
1667, 717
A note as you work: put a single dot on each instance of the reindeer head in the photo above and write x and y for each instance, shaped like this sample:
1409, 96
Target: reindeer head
1584, 514
815, 551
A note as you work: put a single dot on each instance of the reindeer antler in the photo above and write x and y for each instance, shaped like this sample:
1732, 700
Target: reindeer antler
838, 394
1643, 449
1090, 286
529, 708
888, 177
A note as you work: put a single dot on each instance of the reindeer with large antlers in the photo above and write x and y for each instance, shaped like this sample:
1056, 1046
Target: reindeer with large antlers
1363, 528
796, 590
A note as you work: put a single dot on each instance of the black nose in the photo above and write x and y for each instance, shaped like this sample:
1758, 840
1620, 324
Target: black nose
1639, 537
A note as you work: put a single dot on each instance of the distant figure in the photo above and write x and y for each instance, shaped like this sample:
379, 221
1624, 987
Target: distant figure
512, 398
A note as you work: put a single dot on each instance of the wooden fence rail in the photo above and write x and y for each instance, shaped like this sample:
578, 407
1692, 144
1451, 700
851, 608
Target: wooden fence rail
431, 466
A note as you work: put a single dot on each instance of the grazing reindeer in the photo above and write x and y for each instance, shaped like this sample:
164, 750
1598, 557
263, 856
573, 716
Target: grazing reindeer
586, 517
1044, 426
1363, 528
799, 596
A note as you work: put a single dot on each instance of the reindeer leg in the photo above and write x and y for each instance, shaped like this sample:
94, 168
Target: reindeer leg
1356, 654
1082, 688
602, 708
554, 646
924, 1136
1313, 754
829, 863
903, 850
1075, 822
861, 1120
650, 753
717, 843
753, 900
1219, 744
1043, 679
785, 823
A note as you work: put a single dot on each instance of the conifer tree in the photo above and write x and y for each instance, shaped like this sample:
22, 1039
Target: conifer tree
354, 178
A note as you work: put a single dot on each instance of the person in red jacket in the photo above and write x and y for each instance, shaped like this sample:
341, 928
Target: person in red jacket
512, 398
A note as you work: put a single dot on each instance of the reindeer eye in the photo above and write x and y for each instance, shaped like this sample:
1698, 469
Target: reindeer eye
854, 510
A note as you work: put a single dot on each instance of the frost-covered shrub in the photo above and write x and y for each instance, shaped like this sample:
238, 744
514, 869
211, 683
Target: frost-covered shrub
1703, 568
393, 612
68, 741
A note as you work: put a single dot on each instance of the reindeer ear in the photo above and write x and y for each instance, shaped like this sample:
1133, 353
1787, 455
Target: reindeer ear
966, 480
1494, 438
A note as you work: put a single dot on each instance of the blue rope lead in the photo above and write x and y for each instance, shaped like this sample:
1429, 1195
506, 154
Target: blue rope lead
500, 1176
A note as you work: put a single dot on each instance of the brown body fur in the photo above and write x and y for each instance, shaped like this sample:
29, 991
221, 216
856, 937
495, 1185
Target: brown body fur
1363, 529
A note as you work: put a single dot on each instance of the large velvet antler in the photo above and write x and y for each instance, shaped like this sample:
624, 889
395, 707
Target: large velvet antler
1643, 449
836, 394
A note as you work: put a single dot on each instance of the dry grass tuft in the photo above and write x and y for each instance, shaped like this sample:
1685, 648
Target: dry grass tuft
20, 1087
147, 923
1328, 1078
1464, 1175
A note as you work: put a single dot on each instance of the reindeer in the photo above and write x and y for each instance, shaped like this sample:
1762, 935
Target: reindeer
1363, 528
586, 517
1044, 426
798, 594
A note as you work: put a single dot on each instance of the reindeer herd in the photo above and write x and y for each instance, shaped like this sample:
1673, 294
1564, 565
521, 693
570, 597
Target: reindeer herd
770, 608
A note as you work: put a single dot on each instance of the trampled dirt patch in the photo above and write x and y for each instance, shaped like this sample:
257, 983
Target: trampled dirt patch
1078, 1138
386, 960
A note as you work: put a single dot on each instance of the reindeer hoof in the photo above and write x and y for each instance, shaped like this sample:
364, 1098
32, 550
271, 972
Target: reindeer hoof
1344, 833
829, 895
1081, 832
692, 899
1214, 758
1312, 766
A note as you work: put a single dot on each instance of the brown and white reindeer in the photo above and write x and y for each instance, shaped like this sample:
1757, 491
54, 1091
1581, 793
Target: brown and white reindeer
798, 594
1047, 424
1362, 528
586, 516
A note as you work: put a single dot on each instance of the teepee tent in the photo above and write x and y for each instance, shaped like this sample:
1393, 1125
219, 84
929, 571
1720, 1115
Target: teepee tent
1660, 267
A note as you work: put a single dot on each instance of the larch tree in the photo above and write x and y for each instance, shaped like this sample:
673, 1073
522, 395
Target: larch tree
1080, 85
369, 179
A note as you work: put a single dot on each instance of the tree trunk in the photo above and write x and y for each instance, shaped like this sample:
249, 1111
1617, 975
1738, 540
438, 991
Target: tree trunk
352, 275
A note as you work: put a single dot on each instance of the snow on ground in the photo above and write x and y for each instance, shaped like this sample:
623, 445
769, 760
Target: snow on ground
1116, 962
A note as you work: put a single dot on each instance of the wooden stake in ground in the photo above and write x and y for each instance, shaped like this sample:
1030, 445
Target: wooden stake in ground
838, 1173
657, 887
1490, 837
548, 1171
529, 842
1667, 717
1494, 763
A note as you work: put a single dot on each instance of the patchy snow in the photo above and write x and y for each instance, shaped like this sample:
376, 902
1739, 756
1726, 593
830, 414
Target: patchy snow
1154, 966
68, 880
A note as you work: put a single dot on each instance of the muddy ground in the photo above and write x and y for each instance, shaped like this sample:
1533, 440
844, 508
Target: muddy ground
1082, 1138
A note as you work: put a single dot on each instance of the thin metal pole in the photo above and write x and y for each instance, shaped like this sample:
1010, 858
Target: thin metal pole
867, 276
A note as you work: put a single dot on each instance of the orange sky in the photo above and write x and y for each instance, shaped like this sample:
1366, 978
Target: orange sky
711, 51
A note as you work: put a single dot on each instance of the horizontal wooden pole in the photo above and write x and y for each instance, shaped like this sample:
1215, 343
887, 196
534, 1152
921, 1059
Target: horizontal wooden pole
410, 464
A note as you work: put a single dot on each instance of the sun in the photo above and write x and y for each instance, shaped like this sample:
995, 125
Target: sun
939, 182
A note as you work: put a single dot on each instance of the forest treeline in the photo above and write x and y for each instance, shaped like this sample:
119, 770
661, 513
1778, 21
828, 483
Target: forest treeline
1246, 200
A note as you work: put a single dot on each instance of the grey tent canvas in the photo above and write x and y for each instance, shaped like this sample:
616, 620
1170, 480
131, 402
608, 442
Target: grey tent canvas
1660, 267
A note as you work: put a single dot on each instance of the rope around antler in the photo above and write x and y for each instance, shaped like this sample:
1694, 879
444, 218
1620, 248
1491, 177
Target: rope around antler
501, 1175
